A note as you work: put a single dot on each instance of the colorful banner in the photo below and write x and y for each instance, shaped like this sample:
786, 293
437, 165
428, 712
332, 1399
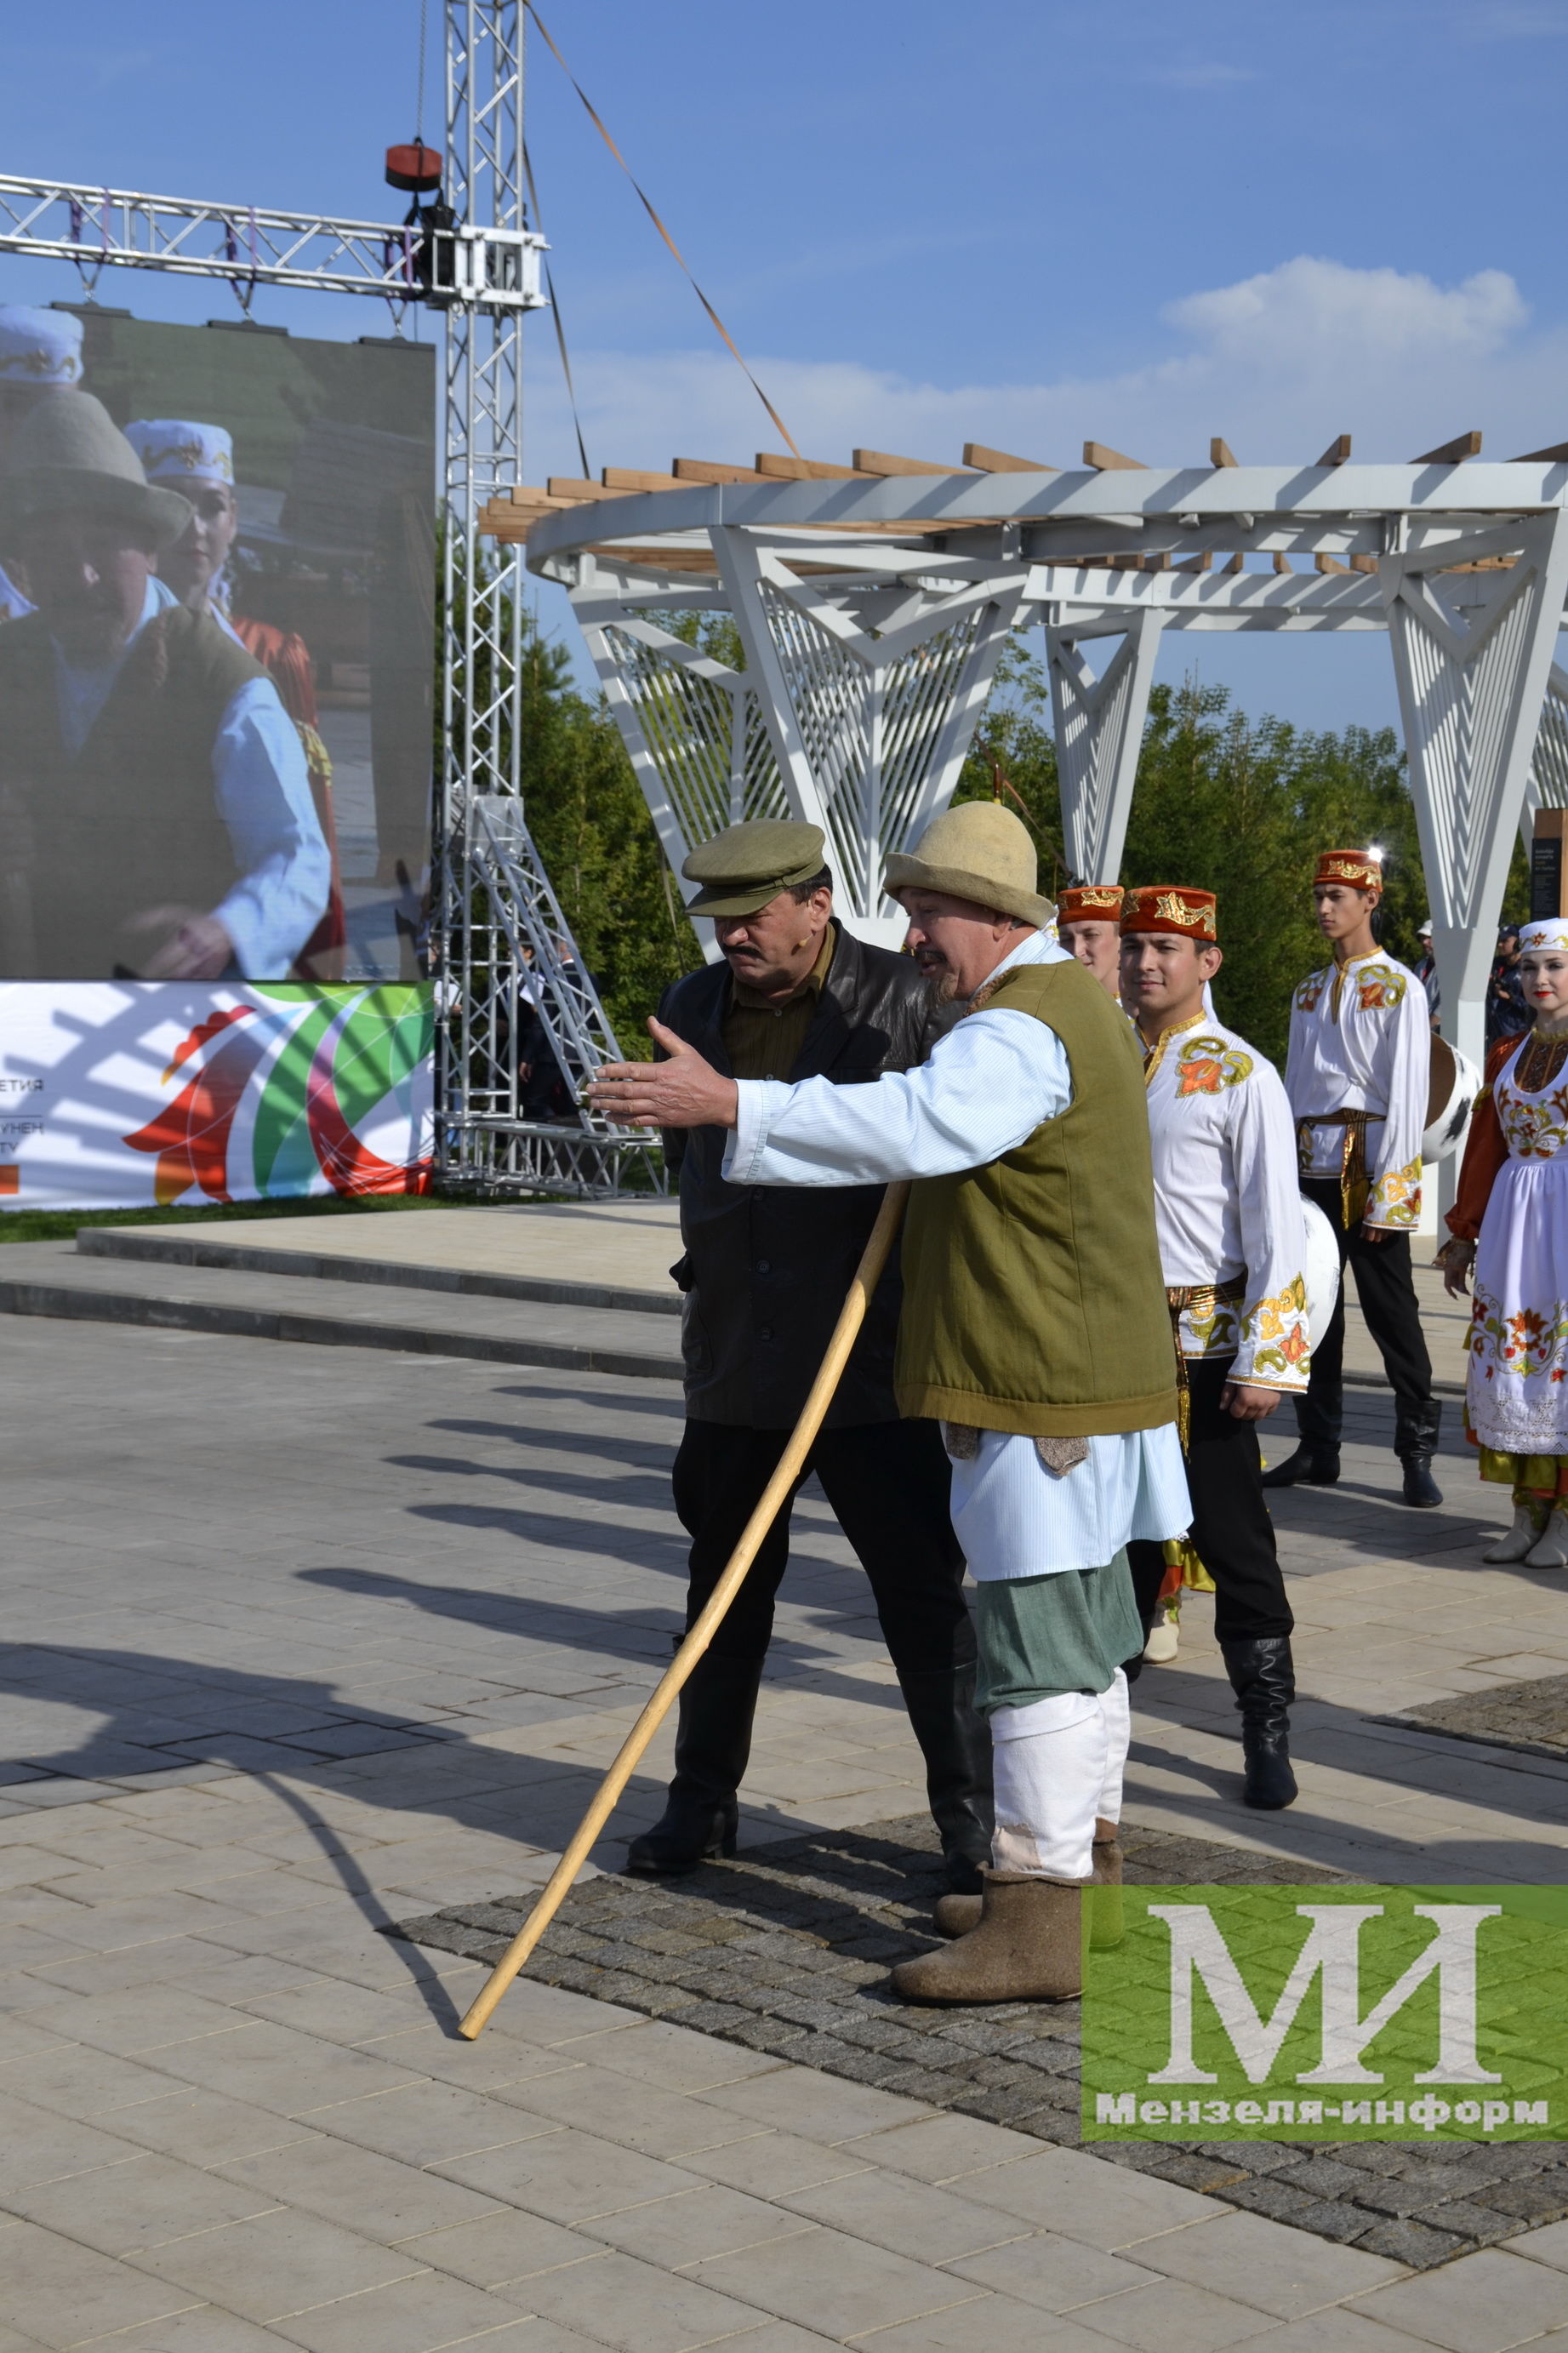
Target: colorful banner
125, 1094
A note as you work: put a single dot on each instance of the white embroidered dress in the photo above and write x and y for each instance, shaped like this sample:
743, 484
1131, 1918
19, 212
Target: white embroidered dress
1517, 1379
1226, 1206
1361, 1042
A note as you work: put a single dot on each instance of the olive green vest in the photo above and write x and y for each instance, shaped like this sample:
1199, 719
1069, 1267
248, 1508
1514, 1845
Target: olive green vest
1033, 1300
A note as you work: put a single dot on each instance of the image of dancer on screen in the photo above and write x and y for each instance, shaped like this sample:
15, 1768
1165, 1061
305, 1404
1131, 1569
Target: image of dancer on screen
197, 460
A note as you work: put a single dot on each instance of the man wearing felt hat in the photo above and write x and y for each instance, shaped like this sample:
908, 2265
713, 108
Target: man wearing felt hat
153, 788
794, 996
1034, 1328
1358, 1075
40, 352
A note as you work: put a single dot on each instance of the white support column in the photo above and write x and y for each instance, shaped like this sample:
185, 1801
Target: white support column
1472, 657
1098, 725
1547, 784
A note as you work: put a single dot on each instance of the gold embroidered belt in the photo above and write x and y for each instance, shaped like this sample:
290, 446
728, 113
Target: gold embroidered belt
1356, 1185
1208, 1298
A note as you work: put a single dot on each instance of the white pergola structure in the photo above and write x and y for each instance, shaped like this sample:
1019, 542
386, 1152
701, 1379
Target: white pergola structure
869, 603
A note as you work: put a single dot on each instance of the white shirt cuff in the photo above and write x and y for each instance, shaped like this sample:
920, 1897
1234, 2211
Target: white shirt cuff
753, 1118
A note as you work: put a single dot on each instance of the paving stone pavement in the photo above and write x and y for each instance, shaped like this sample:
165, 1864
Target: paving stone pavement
787, 1949
301, 1643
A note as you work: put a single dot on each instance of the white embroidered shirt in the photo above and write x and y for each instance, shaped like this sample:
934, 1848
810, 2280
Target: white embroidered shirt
1360, 1040
1226, 1204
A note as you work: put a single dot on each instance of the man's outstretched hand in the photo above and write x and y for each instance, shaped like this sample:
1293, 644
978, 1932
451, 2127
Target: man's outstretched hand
684, 1092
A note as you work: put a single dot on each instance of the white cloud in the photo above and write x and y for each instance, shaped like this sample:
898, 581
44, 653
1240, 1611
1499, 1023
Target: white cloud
1277, 364
1294, 314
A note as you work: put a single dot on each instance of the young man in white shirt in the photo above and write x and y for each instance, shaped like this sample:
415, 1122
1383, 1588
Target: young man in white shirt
1232, 1250
1358, 1078
1088, 915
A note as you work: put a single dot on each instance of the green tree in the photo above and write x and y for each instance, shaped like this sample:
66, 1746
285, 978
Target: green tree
591, 825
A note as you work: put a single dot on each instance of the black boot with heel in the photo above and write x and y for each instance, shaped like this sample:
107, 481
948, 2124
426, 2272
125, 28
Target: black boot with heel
713, 1743
956, 1745
1264, 1681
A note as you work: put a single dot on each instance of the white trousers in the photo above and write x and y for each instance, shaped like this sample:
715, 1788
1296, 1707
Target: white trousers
1058, 1763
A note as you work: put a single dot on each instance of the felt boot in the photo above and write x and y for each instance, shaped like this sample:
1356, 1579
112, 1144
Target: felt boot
956, 1746
1521, 1537
1416, 1442
1263, 1679
1026, 1946
955, 1915
713, 1743
1550, 1549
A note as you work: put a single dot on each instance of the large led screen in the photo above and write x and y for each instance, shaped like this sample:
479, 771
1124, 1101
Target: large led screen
216, 632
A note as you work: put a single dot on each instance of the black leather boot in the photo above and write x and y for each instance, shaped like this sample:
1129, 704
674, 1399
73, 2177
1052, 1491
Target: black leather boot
713, 1743
1416, 1442
1311, 1465
956, 1745
1264, 1681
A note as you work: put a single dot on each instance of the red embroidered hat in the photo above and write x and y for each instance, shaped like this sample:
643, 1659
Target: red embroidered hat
1359, 867
1090, 902
1172, 907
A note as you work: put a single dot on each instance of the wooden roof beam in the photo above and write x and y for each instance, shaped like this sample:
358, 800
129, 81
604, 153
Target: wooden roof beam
1552, 457
1220, 453
1329, 564
1451, 453
1337, 451
1000, 461
569, 486
711, 469
631, 478
775, 468
879, 462
1110, 461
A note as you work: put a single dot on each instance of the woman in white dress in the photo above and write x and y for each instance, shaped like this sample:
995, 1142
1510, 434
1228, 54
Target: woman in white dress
1510, 1225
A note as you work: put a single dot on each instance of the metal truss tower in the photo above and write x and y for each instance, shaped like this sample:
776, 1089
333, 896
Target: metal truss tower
502, 945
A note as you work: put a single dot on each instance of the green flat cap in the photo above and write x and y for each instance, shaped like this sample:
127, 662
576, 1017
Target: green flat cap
746, 865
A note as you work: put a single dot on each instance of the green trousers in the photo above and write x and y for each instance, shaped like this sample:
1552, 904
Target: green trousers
1041, 1636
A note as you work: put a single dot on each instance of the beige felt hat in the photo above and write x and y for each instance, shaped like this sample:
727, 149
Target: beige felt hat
71, 458
979, 851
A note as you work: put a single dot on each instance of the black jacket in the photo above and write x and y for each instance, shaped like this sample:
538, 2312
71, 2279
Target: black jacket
766, 1266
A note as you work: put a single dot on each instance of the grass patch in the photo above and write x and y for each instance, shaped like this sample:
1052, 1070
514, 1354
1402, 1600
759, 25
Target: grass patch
59, 1225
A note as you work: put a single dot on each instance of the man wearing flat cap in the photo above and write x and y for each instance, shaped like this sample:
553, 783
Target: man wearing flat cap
156, 810
1034, 1328
794, 996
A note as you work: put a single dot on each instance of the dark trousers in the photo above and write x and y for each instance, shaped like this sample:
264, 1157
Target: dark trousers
887, 1484
1387, 1296
1232, 1532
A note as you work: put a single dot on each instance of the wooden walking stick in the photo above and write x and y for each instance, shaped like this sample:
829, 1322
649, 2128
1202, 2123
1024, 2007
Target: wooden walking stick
873, 1259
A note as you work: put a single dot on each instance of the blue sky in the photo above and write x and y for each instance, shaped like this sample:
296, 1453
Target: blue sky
1011, 221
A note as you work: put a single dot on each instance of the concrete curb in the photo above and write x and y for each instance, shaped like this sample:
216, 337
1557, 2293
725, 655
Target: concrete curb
166, 1250
324, 1331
